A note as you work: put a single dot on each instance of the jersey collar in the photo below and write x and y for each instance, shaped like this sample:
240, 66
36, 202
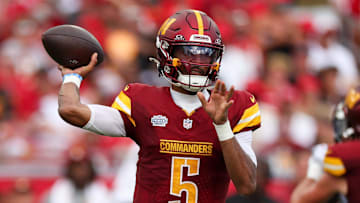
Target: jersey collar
187, 102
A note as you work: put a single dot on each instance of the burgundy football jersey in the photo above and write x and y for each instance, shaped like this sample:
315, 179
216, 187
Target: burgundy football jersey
180, 159
343, 159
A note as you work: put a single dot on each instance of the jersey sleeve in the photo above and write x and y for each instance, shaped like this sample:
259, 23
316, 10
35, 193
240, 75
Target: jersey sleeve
106, 121
250, 117
123, 104
343, 158
333, 163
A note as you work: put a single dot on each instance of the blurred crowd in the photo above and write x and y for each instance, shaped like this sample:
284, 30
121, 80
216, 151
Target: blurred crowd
298, 57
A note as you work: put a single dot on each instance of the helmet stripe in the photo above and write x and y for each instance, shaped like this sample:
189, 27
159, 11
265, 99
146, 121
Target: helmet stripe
167, 25
200, 22
163, 25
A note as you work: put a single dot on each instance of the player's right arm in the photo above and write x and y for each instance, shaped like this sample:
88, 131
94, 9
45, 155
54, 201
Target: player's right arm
70, 107
99, 119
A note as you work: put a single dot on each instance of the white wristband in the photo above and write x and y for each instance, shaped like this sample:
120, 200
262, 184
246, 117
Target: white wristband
74, 78
224, 131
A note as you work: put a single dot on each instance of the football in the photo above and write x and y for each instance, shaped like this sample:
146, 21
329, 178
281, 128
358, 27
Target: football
71, 46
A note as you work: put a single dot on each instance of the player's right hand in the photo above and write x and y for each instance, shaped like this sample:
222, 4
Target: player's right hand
83, 71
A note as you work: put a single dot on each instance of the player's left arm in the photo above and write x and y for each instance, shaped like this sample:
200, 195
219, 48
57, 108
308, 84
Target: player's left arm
240, 167
310, 190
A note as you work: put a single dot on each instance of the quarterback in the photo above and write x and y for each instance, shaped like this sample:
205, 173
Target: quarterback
334, 171
195, 135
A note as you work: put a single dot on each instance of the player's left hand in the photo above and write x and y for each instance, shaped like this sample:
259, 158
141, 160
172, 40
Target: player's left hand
219, 102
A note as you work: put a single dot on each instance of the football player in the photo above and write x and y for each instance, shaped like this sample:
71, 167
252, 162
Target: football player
334, 171
195, 135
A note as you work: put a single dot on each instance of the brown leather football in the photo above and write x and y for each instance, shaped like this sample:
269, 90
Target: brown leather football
71, 46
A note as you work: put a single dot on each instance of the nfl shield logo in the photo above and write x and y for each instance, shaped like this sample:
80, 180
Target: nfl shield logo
187, 123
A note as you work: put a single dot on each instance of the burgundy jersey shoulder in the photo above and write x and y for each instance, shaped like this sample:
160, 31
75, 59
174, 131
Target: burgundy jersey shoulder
131, 93
133, 90
244, 114
343, 158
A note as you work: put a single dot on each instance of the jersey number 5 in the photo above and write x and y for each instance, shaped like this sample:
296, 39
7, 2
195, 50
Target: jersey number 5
177, 185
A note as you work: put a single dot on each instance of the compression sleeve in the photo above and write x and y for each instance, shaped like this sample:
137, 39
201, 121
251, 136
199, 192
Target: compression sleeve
106, 121
245, 140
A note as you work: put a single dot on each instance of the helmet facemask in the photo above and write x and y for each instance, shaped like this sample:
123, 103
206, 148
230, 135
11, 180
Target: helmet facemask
192, 66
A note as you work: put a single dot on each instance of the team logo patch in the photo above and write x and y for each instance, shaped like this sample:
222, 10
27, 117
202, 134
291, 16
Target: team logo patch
187, 123
159, 120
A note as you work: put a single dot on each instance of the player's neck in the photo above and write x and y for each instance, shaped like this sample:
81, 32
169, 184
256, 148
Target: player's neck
187, 102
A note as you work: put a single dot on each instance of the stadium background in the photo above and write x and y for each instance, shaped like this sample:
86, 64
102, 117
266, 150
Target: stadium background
298, 57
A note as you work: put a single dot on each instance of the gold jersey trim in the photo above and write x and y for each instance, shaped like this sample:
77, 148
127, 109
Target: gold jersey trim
250, 118
334, 166
123, 104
